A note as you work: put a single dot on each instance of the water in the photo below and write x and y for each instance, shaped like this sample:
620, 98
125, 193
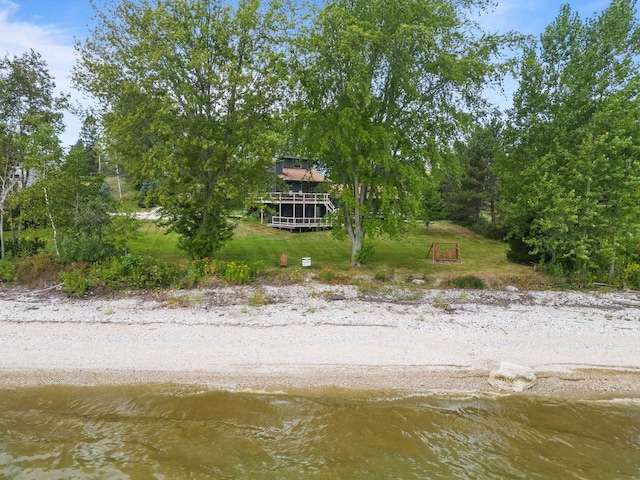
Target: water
172, 432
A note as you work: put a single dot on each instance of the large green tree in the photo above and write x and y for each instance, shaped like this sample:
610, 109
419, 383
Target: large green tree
571, 183
385, 85
471, 192
192, 93
30, 125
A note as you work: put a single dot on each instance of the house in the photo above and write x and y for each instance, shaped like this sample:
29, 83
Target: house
297, 201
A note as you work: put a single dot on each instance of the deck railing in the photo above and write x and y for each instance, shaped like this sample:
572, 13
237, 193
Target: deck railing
292, 223
301, 198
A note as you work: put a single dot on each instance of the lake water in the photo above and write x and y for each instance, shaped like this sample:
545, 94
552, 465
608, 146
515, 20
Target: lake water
173, 432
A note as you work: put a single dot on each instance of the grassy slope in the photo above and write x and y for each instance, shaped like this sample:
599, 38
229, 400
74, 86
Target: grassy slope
404, 257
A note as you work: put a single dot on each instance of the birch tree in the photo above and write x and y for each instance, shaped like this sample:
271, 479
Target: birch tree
30, 123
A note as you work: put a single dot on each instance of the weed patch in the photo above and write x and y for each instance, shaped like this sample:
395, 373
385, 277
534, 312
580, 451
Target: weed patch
467, 281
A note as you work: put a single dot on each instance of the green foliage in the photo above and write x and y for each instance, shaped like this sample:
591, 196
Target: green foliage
259, 298
467, 281
134, 272
148, 195
237, 273
146, 273
471, 197
569, 185
199, 112
25, 247
365, 253
84, 248
7, 270
631, 276
330, 276
77, 281
37, 271
383, 276
383, 89
30, 122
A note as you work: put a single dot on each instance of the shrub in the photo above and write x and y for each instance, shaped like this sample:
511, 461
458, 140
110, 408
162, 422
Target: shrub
7, 270
327, 275
195, 272
26, 247
468, 281
382, 276
84, 248
137, 272
365, 253
37, 271
631, 276
259, 298
77, 281
237, 273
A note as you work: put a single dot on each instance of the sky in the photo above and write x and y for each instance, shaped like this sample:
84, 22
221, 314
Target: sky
50, 28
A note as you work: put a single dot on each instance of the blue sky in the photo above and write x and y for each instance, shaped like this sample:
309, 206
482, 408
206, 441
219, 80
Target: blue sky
50, 28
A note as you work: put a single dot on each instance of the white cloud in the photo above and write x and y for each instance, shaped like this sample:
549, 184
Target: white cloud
54, 43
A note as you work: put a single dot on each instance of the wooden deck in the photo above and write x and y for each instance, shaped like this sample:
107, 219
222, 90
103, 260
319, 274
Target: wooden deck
302, 210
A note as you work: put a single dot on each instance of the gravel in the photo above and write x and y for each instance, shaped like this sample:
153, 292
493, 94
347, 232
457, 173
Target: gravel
316, 335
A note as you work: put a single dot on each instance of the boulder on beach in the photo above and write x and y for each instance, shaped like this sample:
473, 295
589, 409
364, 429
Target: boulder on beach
512, 377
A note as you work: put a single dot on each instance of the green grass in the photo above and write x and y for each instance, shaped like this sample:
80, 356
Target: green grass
401, 258
156, 242
393, 259
129, 194
404, 257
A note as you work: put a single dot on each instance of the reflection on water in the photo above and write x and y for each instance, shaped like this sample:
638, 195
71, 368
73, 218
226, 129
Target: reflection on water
168, 432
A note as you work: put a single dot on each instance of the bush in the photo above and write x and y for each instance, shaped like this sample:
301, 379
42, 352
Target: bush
519, 252
365, 253
383, 276
327, 275
135, 272
26, 247
77, 281
7, 270
237, 273
468, 281
37, 271
84, 248
631, 276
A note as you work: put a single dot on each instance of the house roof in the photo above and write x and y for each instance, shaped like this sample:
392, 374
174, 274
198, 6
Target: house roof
301, 175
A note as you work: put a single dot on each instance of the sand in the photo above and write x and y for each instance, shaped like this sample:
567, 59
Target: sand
319, 336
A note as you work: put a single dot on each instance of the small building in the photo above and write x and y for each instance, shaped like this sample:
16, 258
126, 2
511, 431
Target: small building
297, 201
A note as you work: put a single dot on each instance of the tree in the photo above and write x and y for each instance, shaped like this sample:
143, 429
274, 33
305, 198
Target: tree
571, 182
191, 92
471, 194
30, 124
385, 85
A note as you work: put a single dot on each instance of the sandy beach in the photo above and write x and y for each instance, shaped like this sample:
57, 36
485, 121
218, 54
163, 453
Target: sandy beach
322, 336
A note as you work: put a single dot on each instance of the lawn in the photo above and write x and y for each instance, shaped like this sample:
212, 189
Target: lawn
404, 257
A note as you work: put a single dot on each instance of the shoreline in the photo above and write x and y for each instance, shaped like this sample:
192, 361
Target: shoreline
576, 384
313, 337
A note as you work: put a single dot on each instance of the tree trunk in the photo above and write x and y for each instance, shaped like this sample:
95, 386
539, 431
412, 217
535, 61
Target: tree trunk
2, 236
612, 265
356, 236
53, 225
353, 221
118, 180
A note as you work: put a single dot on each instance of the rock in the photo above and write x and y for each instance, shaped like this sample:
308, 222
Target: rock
511, 288
418, 281
513, 377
